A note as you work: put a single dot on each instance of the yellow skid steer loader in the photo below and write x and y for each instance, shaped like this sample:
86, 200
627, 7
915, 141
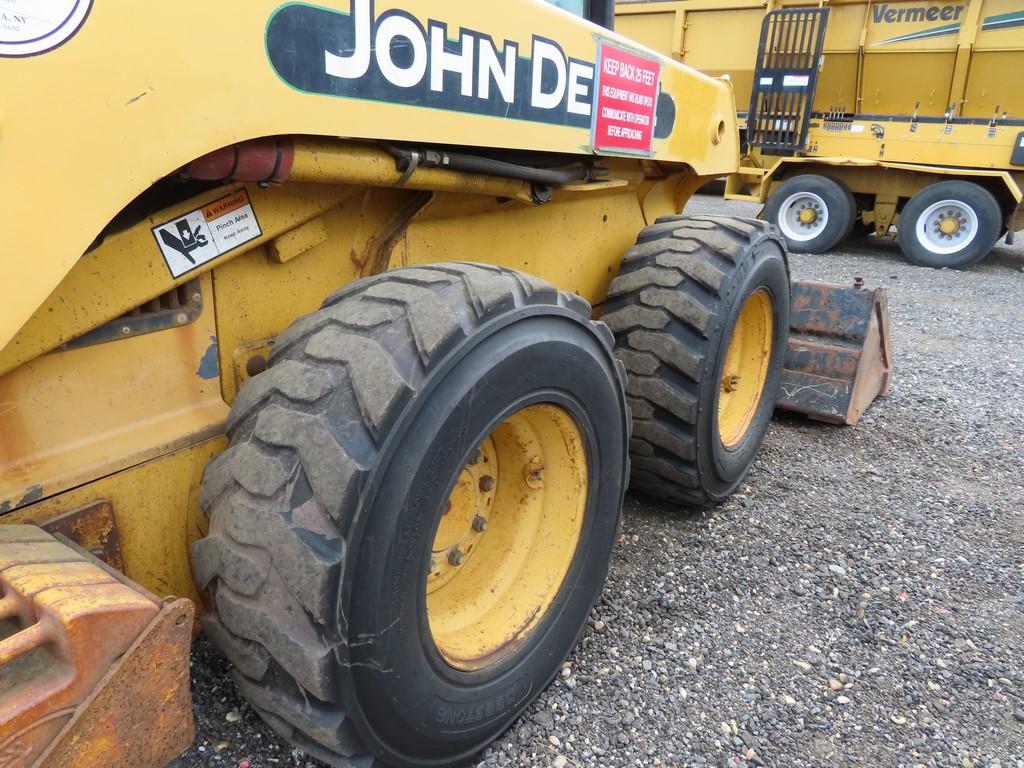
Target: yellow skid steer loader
350, 323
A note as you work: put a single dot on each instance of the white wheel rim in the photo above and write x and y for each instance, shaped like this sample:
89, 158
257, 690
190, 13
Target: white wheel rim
934, 228
794, 211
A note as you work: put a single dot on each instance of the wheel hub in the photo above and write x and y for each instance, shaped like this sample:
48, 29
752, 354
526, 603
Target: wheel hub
950, 225
746, 368
808, 216
507, 536
464, 518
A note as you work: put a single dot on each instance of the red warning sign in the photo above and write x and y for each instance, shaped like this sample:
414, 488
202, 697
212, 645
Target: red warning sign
627, 98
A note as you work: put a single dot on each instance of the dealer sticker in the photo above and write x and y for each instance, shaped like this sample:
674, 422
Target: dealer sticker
202, 235
627, 101
30, 27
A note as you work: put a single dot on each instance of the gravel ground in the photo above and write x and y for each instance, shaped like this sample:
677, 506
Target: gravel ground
859, 602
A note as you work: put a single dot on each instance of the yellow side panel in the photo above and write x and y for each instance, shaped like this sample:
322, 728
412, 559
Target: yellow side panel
264, 297
990, 87
655, 30
725, 42
895, 82
845, 23
543, 241
837, 84
71, 416
156, 512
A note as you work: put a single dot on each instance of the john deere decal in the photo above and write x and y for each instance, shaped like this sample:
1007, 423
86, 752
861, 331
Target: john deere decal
392, 58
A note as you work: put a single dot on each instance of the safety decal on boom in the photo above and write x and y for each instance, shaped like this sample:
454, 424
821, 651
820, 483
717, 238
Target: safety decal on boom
626, 101
200, 236
394, 58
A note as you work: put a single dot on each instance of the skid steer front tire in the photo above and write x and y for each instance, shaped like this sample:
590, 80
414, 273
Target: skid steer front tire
415, 512
700, 311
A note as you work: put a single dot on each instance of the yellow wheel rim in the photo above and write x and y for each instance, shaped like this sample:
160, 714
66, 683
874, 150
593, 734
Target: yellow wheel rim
507, 537
746, 368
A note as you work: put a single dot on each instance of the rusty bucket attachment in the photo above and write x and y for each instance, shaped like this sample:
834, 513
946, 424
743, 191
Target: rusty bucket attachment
94, 671
840, 351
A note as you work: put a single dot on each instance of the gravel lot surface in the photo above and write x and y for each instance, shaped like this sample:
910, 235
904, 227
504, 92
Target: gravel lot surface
860, 602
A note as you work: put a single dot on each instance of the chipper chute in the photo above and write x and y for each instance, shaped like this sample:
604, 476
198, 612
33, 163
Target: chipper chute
93, 670
839, 357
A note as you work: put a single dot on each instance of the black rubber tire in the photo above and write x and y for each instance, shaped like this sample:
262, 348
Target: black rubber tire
838, 199
673, 308
322, 509
986, 208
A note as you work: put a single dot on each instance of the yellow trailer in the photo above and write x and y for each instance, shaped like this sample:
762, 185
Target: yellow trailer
858, 115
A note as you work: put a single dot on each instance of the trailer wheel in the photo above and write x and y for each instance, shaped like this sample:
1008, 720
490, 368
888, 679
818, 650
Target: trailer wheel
415, 512
950, 224
814, 213
700, 311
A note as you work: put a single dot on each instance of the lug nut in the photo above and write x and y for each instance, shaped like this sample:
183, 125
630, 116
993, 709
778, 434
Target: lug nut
433, 566
447, 507
479, 523
478, 457
455, 557
486, 483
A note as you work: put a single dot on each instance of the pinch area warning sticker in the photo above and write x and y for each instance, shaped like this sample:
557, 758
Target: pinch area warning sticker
627, 100
200, 236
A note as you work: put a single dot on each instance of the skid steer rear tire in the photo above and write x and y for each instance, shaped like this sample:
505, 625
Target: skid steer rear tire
325, 507
674, 308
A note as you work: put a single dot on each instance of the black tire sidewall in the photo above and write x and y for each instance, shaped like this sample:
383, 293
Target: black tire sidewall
838, 200
979, 199
417, 703
724, 468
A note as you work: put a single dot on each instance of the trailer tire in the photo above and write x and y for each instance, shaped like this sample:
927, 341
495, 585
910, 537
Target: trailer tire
827, 204
676, 307
345, 465
974, 218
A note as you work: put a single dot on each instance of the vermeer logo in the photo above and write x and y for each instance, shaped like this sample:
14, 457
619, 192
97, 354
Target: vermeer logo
885, 14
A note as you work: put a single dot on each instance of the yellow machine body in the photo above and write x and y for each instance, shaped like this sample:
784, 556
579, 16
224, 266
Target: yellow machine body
116, 373
907, 93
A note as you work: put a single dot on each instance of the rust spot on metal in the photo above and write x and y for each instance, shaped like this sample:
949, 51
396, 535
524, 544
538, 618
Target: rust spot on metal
93, 670
839, 356
141, 712
94, 529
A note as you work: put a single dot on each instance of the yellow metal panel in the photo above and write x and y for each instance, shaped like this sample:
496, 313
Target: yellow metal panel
837, 84
74, 415
991, 89
261, 297
655, 29
143, 102
969, 146
127, 269
156, 506
923, 77
546, 241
